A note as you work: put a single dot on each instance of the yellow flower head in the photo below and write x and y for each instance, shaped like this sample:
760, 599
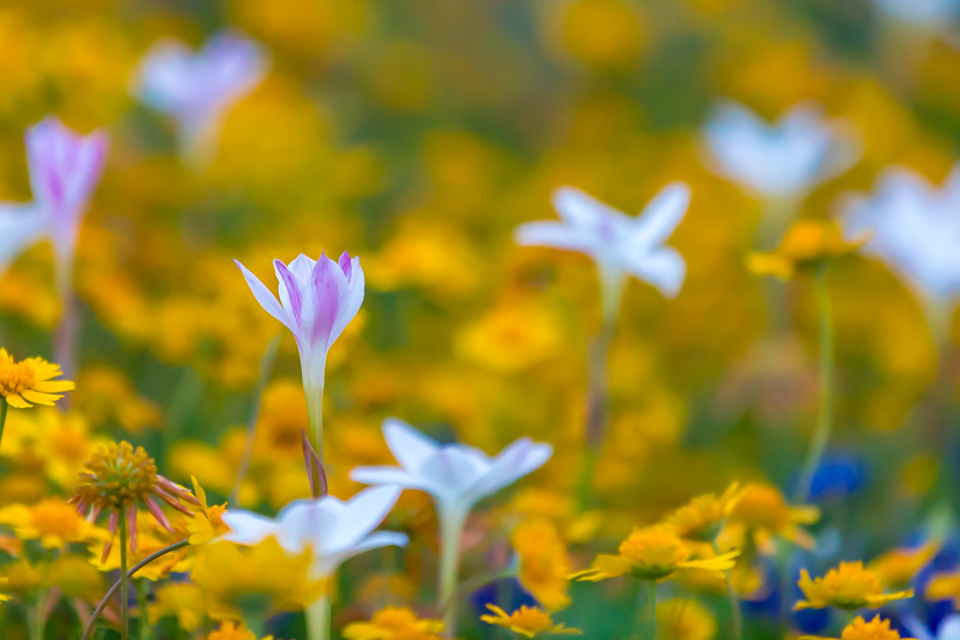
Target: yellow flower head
944, 586
53, 521
859, 629
898, 566
762, 512
849, 586
30, 380
528, 621
702, 517
544, 565
684, 620
512, 337
207, 521
652, 553
394, 623
231, 631
807, 244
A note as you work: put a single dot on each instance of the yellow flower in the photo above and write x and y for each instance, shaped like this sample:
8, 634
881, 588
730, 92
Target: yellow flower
898, 566
53, 521
181, 599
684, 620
859, 629
807, 244
30, 380
512, 337
763, 512
263, 575
528, 621
107, 394
394, 623
207, 521
544, 565
230, 631
849, 586
652, 553
944, 586
702, 518
77, 578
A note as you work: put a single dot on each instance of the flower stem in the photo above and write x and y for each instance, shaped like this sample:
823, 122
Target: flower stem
142, 609
825, 409
124, 596
652, 609
451, 530
315, 417
735, 616
3, 417
116, 585
318, 618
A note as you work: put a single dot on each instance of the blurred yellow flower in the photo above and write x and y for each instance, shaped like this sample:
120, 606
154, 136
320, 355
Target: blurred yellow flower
944, 586
897, 567
544, 565
528, 621
762, 512
652, 553
181, 599
77, 578
424, 255
394, 623
107, 394
605, 33
849, 586
283, 418
52, 521
702, 518
512, 337
860, 629
30, 380
231, 631
807, 244
684, 620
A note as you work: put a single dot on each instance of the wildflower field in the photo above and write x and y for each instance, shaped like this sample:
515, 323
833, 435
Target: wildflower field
470, 319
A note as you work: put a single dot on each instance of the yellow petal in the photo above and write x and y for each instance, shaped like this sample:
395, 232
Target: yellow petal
40, 398
720, 563
54, 386
17, 402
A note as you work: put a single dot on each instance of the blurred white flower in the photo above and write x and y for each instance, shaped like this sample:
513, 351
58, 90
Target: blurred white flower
785, 159
198, 88
333, 530
20, 228
620, 245
914, 227
930, 14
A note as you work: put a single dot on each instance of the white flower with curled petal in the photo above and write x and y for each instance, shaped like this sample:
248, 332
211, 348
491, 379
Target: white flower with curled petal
914, 227
619, 244
333, 530
783, 160
457, 476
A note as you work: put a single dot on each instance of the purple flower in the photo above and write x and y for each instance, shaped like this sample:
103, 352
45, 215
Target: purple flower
318, 299
64, 167
198, 88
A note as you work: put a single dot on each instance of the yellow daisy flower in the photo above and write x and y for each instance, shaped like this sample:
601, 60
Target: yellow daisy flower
30, 380
544, 565
652, 553
207, 521
53, 521
394, 623
806, 245
898, 566
762, 513
702, 517
528, 621
944, 586
849, 586
859, 629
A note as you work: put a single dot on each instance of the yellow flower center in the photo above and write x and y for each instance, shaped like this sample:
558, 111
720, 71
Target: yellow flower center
16, 376
655, 551
533, 620
876, 629
848, 585
762, 507
117, 476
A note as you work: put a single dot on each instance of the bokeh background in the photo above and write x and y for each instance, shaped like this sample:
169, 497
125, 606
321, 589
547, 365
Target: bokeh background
418, 135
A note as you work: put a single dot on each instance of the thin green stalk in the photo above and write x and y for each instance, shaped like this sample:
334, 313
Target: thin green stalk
825, 408
652, 609
3, 417
318, 618
124, 596
735, 615
451, 529
315, 417
91, 625
142, 609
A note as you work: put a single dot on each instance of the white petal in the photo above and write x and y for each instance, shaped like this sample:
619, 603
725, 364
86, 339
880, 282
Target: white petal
665, 269
520, 458
303, 524
264, 297
581, 209
326, 565
362, 514
662, 215
409, 446
551, 234
949, 628
453, 470
21, 226
386, 475
248, 528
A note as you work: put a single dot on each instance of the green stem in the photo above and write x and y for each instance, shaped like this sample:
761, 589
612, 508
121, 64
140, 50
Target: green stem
735, 615
3, 417
40, 617
315, 417
116, 585
825, 408
652, 609
142, 609
124, 596
451, 529
318, 618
